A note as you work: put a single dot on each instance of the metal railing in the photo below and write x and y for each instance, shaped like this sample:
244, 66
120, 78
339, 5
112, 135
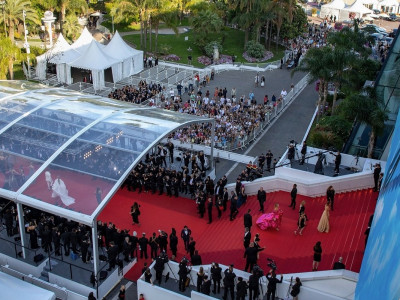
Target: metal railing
242, 142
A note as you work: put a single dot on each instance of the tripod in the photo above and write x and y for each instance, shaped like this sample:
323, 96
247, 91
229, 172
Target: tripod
290, 286
356, 166
173, 274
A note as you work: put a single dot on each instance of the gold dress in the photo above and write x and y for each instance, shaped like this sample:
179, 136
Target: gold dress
323, 225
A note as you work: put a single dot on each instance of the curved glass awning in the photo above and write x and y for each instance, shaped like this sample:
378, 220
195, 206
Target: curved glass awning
67, 153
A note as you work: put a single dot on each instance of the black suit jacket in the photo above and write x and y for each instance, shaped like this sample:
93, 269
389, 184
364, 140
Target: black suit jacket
247, 239
248, 220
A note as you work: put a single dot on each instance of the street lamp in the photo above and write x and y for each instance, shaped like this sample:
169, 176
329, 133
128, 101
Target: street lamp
26, 44
3, 4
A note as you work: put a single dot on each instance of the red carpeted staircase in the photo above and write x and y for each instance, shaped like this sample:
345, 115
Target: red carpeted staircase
222, 241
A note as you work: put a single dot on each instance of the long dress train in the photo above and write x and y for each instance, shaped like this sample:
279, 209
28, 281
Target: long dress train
323, 225
59, 189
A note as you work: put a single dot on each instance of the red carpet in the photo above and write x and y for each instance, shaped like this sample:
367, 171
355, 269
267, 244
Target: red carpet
222, 241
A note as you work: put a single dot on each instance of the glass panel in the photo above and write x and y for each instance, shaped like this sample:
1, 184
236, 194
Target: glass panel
391, 72
14, 87
70, 189
15, 170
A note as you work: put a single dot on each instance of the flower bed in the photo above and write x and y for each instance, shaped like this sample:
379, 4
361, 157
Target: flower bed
223, 59
172, 57
267, 55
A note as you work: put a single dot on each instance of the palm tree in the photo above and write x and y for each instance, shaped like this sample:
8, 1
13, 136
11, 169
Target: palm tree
163, 11
246, 11
279, 7
69, 6
316, 63
124, 10
72, 28
205, 24
368, 109
13, 15
339, 65
8, 52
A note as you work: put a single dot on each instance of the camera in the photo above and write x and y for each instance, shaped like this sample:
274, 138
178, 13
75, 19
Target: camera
258, 271
271, 264
164, 256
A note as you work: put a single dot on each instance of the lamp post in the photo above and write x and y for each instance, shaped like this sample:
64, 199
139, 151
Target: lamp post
3, 4
48, 21
26, 44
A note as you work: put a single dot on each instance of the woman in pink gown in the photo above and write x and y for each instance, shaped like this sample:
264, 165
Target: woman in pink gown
271, 220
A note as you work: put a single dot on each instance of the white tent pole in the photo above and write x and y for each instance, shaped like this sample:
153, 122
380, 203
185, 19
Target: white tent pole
21, 223
95, 243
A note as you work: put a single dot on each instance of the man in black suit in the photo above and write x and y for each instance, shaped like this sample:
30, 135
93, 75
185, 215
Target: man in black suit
225, 198
247, 238
233, 208
248, 220
272, 281
229, 283
241, 289
196, 259
303, 153
251, 257
338, 160
377, 172
269, 157
143, 242
293, 195
185, 235
261, 197
112, 254
339, 265
209, 209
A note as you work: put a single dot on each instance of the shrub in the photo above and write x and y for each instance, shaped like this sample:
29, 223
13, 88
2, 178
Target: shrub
255, 49
209, 48
164, 49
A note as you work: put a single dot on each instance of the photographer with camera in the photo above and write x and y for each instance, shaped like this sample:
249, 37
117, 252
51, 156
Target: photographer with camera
159, 266
254, 284
229, 283
272, 281
183, 272
216, 276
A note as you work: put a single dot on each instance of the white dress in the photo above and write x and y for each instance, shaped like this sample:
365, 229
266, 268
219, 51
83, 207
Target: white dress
49, 180
60, 190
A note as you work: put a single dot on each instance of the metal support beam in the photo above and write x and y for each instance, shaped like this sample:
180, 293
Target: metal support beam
95, 243
21, 223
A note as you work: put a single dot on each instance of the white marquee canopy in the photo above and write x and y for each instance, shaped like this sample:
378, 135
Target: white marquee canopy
358, 8
132, 58
87, 53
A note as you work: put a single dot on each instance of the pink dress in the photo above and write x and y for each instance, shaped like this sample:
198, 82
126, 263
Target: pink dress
270, 220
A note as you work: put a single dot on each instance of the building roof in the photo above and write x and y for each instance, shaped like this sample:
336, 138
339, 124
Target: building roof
89, 142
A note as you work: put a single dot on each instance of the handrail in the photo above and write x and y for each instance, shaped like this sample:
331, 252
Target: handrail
17, 256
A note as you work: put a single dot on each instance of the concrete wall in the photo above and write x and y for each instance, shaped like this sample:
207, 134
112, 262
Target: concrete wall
71, 285
22, 266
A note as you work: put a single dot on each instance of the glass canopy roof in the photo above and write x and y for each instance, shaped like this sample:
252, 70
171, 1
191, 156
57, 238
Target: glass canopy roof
66, 152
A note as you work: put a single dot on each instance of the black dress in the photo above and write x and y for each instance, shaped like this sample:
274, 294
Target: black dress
33, 239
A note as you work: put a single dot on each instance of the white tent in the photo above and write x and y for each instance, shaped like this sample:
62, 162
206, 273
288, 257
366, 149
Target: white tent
83, 42
132, 58
59, 54
357, 8
97, 61
332, 9
17, 289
